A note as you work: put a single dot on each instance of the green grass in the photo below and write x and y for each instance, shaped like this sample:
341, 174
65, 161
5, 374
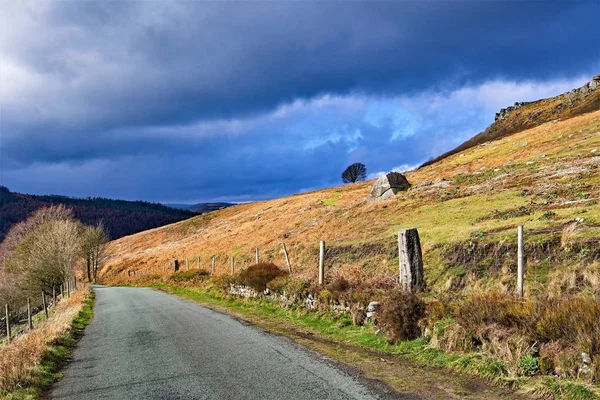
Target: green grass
56, 356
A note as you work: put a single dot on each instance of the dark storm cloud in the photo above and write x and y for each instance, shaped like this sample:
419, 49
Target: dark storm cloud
181, 94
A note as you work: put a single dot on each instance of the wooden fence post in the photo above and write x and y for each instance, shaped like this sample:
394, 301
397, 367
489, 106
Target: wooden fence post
321, 262
410, 260
256, 254
198, 262
68, 288
7, 311
287, 257
520, 262
29, 319
53, 295
187, 264
232, 265
45, 305
212, 265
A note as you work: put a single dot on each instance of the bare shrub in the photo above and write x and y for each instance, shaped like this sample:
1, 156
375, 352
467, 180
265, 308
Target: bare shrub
399, 316
259, 275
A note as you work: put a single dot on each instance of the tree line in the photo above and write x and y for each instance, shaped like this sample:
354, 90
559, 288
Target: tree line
119, 217
47, 249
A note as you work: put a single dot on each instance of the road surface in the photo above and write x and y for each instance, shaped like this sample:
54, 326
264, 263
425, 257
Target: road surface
145, 344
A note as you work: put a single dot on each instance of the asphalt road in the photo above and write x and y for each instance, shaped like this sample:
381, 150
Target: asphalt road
144, 344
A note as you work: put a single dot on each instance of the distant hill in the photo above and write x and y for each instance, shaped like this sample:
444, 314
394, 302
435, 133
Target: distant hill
120, 217
201, 208
526, 115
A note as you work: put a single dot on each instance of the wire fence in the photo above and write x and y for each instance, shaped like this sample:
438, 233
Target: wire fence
18, 320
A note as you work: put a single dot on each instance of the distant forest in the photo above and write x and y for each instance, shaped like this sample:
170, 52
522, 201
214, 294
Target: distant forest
120, 217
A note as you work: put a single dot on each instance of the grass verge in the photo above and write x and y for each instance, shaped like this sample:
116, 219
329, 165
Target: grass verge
408, 367
398, 365
54, 357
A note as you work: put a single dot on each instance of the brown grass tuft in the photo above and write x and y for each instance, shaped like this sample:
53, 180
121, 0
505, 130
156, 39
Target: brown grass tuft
400, 315
21, 356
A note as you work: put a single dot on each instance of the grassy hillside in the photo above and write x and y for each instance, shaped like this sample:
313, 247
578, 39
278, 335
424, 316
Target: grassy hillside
466, 207
120, 217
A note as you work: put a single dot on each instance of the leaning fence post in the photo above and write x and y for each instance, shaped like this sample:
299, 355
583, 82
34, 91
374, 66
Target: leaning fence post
287, 257
7, 311
29, 319
45, 305
520, 261
212, 265
256, 255
321, 262
410, 260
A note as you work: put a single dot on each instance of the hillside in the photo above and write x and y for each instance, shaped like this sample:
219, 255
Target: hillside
466, 207
525, 115
120, 217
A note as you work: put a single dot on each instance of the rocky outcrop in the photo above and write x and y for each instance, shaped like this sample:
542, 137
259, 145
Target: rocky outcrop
526, 115
389, 184
568, 99
500, 115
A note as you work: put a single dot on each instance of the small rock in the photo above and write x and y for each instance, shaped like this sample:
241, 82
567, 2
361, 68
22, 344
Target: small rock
530, 162
378, 331
374, 306
593, 150
580, 220
423, 184
586, 358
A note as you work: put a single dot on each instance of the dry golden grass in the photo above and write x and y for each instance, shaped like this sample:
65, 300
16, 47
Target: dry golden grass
24, 353
550, 171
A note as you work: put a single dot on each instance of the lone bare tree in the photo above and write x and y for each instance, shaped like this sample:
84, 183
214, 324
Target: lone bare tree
354, 173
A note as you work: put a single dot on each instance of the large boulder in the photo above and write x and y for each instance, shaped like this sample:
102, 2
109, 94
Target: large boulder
389, 184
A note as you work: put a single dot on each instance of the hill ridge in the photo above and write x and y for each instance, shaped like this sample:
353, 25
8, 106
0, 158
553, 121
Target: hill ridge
526, 115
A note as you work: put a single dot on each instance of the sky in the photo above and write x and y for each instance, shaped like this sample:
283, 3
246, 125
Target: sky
191, 101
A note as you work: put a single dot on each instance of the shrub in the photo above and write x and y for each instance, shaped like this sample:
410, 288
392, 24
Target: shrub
259, 275
289, 285
436, 311
222, 282
529, 365
184, 276
495, 308
574, 320
399, 316
338, 286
